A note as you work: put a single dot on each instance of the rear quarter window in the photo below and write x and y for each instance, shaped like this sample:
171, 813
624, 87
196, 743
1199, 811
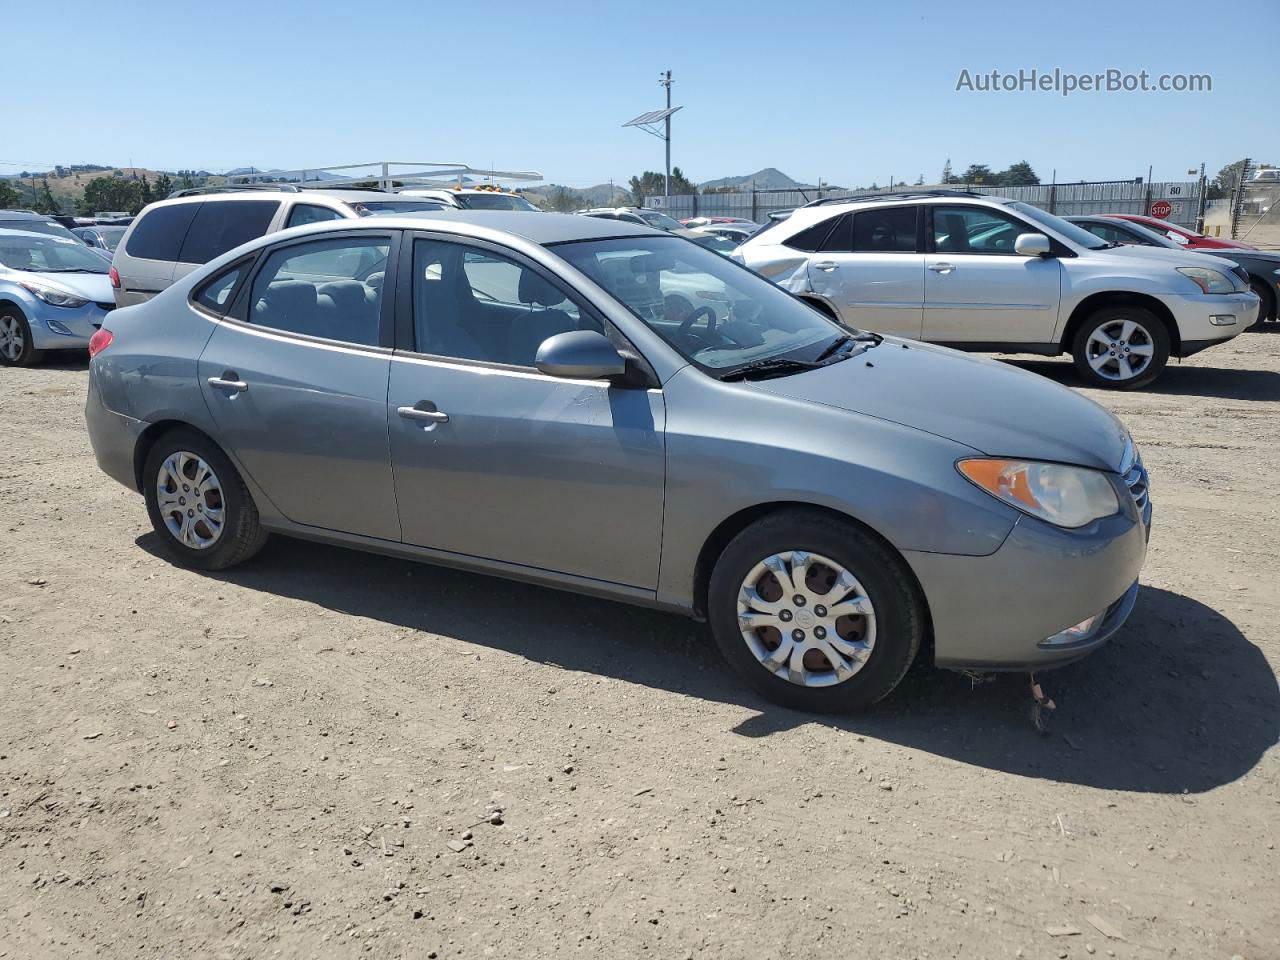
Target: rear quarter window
812, 238
159, 233
221, 225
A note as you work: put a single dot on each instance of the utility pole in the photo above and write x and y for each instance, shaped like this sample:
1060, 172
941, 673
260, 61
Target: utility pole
1200, 202
665, 80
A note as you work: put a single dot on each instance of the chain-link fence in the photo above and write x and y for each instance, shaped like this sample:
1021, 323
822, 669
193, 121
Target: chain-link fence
1176, 201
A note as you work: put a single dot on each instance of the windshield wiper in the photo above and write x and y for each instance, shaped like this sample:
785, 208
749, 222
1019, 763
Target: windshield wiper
70, 270
771, 367
835, 345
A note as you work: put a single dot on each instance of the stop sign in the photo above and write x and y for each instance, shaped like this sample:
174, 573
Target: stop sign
1161, 209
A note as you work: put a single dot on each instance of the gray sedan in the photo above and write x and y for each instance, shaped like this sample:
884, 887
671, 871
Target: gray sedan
611, 410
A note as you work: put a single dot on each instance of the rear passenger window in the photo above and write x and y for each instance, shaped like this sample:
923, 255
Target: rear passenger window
326, 288
811, 240
304, 213
221, 225
160, 232
887, 230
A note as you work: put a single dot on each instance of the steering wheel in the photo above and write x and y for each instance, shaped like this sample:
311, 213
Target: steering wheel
686, 325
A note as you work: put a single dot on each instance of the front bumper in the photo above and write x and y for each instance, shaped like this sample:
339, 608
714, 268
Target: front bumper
995, 612
71, 327
1203, 321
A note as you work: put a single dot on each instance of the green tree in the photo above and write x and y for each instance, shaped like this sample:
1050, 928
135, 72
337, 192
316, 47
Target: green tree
1018, 174
1225, 181
563, 200
9, 197
976, 173
45, 202
111, 193
650, 184
163, 187
946, 172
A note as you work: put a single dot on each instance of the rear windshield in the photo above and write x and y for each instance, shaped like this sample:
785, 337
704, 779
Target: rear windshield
494, 201
38, 226
158, 235
391, 208
224, 224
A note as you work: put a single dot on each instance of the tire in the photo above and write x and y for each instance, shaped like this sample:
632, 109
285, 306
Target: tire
17, 349
1267, 310
887, 641
1110, 324
198, 542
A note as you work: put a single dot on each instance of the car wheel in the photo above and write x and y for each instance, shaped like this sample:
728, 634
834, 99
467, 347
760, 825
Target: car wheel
17, 349
1267, 309
815, 613
198, 503
1123, 348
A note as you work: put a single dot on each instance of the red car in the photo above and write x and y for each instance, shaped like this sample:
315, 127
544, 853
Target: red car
1181, 235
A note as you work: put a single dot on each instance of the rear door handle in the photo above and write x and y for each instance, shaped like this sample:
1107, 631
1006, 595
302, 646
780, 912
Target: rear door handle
942, 267
229, 381
423, 410
825, 265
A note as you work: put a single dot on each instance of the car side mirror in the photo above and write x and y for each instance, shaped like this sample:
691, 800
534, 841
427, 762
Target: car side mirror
580, 355
1032, 245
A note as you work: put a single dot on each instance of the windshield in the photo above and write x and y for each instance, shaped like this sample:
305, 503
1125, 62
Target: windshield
1077, 235
712, 311
111, 235
389, 208
495, 201
1166, 225
659, 220
39, 226
46, 254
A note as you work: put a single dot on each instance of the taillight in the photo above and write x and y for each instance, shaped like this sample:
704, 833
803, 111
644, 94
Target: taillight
115, 278
100, 341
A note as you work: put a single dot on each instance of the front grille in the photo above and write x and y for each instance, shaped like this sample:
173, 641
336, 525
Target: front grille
1135, 477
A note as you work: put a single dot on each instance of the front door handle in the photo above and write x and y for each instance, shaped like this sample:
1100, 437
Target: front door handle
229, 381
826, 266
942, 267
423, 410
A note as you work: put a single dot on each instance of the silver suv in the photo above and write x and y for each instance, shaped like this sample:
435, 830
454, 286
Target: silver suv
990, 274
171, 238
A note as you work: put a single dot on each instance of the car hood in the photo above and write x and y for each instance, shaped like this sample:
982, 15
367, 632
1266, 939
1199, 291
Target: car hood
91, 286
1269, 256
993, 407
1179, 258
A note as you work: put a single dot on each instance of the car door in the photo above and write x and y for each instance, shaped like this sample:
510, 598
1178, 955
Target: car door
978, 290
295, 377
870, 268
498, 461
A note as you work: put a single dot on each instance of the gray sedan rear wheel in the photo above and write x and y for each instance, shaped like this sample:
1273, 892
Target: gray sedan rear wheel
816, 613
198, 503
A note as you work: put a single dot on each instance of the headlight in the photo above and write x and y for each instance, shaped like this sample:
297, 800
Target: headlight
53, 295
1063, 496
1209, 281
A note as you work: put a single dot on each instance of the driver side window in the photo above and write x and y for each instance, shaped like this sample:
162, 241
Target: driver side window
975, 230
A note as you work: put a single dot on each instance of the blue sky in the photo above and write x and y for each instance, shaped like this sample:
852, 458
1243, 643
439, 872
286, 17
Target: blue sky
849, 92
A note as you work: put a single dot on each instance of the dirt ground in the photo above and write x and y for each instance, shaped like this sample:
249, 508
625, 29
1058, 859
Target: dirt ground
301, 757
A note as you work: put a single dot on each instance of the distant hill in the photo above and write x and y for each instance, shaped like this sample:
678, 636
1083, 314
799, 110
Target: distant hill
598, 196
770, 178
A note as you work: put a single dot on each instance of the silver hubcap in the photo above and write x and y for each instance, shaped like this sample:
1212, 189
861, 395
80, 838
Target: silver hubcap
11, 339
190, 499
1120, 349
806, 619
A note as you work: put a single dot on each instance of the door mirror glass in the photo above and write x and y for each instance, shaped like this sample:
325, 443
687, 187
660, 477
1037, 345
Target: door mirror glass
580, 355
1031, 245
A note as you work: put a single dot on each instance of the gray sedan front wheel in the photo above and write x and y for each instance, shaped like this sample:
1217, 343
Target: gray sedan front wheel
814, 612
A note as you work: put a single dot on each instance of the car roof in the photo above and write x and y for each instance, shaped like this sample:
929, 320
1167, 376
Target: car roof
6, 232
542, 229
20, 215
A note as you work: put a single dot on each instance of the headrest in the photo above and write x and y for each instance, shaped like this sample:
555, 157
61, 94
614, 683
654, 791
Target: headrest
533, 289
346, 294
290, 295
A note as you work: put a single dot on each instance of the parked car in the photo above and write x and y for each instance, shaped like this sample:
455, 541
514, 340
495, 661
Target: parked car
171, 238
54, 294
660, 221
474, 198
100, 237
737, 232
996, 275
1182, 236
1259, 268
693, 223
34, 223
486, 391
